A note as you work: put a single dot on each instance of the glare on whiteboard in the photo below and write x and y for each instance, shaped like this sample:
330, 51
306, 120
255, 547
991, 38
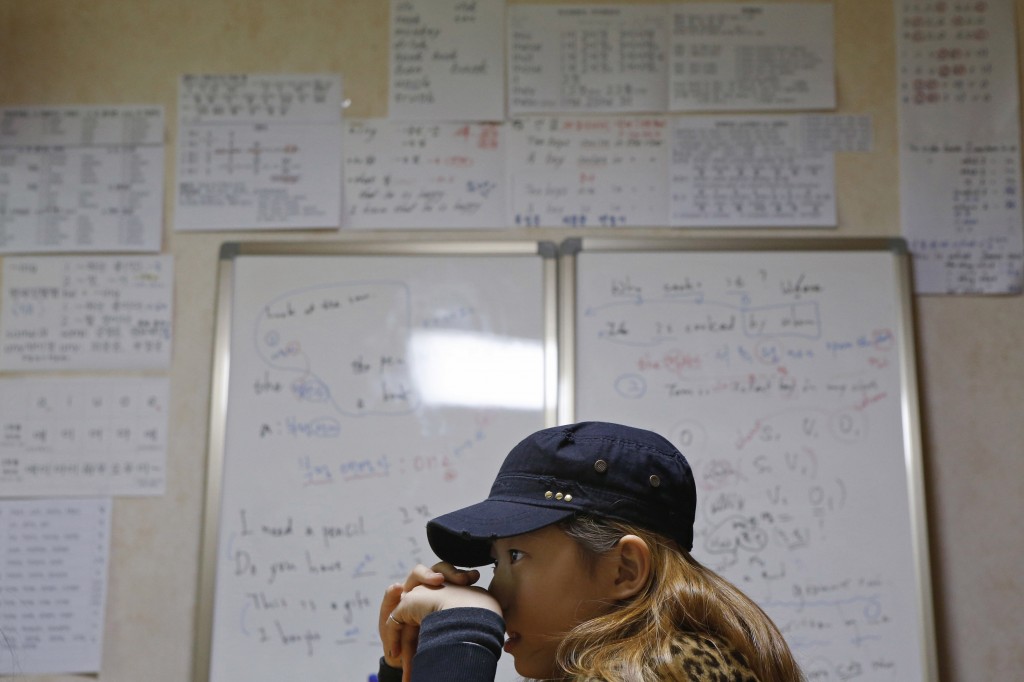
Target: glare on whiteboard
472, 369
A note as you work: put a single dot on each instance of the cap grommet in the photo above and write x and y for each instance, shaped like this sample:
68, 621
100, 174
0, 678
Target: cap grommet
655, 481
548, 495
600, 466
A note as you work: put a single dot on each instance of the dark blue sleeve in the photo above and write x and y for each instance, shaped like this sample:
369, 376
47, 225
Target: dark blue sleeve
386, 673
459, 644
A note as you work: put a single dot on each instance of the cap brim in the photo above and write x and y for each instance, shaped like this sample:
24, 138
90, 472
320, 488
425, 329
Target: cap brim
464, 537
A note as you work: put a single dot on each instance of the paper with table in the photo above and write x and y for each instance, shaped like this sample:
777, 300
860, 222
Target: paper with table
53, 583
728, 57
769, 171
960, 166
258, 152
660, 58
82, 178
692, 171
587, 59
83, 436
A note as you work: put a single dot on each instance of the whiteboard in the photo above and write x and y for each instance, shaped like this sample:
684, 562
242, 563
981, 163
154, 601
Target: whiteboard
784, 371
359, 389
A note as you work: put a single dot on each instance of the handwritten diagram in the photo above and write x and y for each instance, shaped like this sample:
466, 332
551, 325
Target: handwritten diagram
373, 378
338, 450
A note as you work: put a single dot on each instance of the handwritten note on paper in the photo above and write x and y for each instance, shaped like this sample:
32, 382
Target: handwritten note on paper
86, 312
447, 60
752, 56
580, 172
410, 175
736, 171
86, 178
258, 152
53, 584
960, 165
608, 58
78, 436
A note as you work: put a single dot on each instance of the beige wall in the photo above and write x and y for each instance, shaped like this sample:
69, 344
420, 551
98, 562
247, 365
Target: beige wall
969, 349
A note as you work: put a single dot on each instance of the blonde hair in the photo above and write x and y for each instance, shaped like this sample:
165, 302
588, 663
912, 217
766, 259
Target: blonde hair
633, 642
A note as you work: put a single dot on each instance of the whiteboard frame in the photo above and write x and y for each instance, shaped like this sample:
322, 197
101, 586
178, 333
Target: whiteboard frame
221, 374
569, 249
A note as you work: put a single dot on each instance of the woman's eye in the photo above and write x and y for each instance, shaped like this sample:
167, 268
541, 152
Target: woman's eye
514, 555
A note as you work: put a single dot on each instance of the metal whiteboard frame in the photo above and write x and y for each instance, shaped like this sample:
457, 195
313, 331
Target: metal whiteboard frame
909, 404
221, 373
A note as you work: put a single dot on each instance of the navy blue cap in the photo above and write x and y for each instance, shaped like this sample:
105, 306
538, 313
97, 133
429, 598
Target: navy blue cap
595, 469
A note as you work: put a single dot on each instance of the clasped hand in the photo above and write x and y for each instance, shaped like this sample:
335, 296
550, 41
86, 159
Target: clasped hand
425, 590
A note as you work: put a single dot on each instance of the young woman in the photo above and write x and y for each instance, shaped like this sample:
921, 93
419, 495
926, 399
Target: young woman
589, 527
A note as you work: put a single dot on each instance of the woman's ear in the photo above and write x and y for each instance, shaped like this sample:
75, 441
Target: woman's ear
634, 567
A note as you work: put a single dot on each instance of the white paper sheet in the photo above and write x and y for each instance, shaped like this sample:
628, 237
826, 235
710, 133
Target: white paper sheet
728, 57
960, 166
258, 151
53, 584
587, 58
756, 171
86, 312
85, 178
447, 60
83, 436
430, 175
836, 133
588, 172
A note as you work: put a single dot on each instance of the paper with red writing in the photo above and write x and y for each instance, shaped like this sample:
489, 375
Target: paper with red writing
588, 172
423, 175
960, 166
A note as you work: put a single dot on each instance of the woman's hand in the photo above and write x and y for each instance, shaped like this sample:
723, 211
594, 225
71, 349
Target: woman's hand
425, 590
392, 648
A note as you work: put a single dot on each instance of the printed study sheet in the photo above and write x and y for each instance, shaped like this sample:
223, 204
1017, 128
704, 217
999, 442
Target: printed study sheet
587, 59
258, 152
960, 165
728, 57
756, 171
53, 573
83, 436
85, 178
